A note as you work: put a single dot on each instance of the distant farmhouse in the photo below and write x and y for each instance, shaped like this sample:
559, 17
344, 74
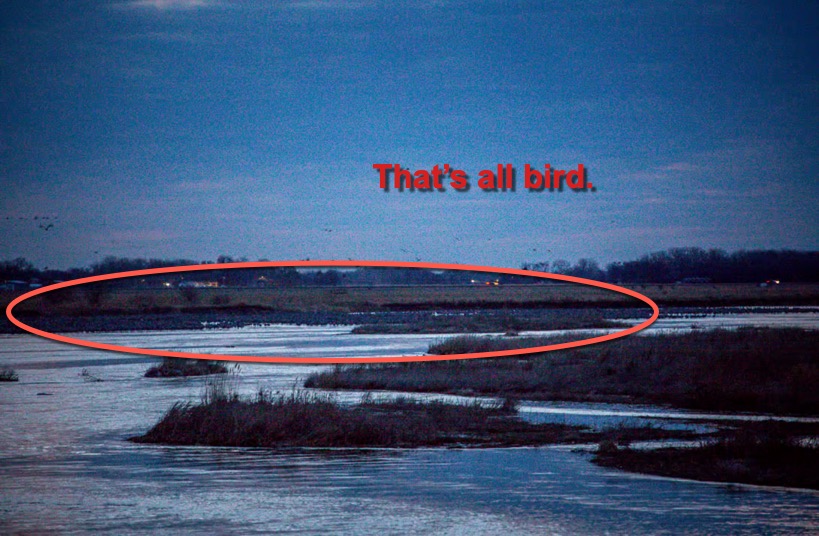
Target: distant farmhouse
16, 284
198, 284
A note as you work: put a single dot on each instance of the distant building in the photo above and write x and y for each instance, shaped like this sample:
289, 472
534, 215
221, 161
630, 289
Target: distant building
16, 284
693, 280
198, 284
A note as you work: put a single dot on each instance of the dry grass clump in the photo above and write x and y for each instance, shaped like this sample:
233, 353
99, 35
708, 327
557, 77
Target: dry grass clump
470, 344
172, 367
8, 375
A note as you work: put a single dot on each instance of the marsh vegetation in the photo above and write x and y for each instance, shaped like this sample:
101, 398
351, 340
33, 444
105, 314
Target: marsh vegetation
8, 375
752, 369
172, 367
762, 454
308, 419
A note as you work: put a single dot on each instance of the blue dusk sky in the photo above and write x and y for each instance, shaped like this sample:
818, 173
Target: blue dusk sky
195, 128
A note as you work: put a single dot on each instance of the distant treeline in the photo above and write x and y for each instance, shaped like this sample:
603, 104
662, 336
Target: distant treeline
698, 265
686, 265
23, 271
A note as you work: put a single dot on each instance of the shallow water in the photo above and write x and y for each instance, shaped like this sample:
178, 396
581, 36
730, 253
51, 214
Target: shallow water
775, 317
65, 465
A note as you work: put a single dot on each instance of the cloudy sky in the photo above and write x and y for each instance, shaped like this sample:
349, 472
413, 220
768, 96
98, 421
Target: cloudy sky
194, 128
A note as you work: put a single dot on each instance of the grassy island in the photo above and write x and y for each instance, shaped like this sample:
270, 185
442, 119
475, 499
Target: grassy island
175, 367
303, 419
748, 457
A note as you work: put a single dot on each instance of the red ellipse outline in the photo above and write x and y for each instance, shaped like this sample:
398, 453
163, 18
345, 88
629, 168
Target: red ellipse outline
331, 360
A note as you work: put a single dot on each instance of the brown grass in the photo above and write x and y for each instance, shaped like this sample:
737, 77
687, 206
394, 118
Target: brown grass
175, 367
303, 419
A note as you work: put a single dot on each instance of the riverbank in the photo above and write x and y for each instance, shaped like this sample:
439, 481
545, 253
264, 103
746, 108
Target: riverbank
385, 322
505, 322
101, 298
753, 369
750, 455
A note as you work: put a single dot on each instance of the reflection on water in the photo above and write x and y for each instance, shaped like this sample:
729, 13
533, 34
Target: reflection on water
65, 465
130, 489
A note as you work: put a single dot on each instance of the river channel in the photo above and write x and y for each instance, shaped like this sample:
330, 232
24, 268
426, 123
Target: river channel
66, 467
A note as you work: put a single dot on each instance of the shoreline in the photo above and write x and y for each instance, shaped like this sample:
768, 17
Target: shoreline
104, 299
750, 458
762, 370
439, 321
371, 322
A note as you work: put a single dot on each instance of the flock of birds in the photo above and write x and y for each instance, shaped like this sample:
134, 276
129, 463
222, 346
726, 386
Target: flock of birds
46, 223
44, 226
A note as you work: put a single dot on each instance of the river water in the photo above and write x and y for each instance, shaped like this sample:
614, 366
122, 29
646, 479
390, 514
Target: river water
66, 467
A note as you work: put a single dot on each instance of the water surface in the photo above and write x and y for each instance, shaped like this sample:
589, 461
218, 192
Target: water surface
65, 464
